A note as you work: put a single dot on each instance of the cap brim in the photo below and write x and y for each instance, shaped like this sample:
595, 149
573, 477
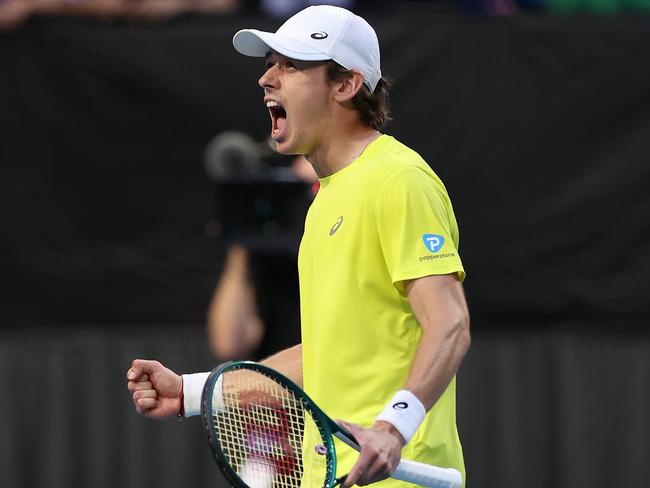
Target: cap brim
251, 42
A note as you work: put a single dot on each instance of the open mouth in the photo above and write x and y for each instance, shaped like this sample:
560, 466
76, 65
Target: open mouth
278, 117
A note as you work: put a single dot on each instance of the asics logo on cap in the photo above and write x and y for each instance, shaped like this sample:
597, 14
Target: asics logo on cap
319, 35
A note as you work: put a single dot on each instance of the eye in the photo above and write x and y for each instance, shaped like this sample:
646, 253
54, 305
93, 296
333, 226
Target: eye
289, 65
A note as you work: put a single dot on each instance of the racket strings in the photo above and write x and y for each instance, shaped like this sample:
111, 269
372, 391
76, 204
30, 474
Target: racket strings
267, 434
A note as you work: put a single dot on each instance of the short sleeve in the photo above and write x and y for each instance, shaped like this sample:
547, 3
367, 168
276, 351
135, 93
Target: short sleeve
417, 227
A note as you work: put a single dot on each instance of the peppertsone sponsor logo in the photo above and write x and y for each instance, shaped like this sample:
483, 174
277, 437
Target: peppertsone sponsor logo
431, 257
319, 35
400, 406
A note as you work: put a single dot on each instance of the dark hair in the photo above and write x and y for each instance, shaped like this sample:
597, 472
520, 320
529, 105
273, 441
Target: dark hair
372, 107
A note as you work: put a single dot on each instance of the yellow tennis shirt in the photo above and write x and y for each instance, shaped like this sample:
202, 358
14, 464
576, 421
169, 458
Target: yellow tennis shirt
383, 219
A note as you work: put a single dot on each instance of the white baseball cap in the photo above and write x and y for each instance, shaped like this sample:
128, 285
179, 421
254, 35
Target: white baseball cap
319, 33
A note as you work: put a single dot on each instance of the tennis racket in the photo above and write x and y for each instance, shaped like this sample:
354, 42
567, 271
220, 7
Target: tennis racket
265, 432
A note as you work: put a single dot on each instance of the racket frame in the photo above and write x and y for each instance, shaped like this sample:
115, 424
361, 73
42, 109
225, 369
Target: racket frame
326, 427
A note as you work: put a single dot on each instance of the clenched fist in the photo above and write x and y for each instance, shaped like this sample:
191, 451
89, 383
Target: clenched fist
157, 390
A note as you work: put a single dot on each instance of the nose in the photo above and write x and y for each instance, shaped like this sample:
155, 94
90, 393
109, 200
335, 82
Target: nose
269, 79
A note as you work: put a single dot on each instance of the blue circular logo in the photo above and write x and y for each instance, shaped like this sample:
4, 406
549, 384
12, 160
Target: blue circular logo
433, 242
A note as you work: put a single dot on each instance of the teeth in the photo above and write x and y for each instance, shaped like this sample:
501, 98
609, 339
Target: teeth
272, 103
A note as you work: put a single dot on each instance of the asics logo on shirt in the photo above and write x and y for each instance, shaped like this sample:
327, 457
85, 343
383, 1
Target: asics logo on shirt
336, 225
433, 242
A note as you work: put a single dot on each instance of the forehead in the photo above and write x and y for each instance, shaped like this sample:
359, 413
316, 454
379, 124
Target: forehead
276, 56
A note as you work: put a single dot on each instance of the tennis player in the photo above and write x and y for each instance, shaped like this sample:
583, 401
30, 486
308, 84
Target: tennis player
383, 315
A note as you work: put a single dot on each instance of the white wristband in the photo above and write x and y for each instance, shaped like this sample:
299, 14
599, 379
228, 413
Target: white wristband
405, 412
192, 391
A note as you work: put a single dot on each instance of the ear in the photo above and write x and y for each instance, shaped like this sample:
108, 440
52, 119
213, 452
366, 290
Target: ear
349, 87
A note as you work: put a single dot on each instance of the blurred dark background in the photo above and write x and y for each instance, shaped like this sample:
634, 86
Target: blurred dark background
536, 116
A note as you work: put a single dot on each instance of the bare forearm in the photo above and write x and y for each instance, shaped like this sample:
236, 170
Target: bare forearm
288, 362
439, 305
436, 362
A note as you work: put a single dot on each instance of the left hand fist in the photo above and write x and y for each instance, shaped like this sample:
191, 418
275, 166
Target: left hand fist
381, 448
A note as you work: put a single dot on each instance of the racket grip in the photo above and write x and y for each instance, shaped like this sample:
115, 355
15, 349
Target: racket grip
427, 475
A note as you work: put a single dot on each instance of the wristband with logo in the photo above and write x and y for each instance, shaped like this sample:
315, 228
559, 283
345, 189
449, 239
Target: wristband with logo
405, 411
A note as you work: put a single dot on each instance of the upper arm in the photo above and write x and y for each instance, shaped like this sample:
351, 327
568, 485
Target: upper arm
288, 362
438, 299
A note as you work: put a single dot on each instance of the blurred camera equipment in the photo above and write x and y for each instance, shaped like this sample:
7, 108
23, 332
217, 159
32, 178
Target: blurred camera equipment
258, 201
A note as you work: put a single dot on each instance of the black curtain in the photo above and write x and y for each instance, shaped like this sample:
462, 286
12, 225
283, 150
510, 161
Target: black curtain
540, 128
536, 408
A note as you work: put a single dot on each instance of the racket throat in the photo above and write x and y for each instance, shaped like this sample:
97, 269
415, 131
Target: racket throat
348, 441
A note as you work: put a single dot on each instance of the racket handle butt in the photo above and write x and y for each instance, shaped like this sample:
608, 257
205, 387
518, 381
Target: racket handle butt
427, 475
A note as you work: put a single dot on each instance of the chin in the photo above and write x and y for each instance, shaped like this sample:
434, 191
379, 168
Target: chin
285, 148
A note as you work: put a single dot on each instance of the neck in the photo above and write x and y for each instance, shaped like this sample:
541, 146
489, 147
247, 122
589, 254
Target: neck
340, 148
